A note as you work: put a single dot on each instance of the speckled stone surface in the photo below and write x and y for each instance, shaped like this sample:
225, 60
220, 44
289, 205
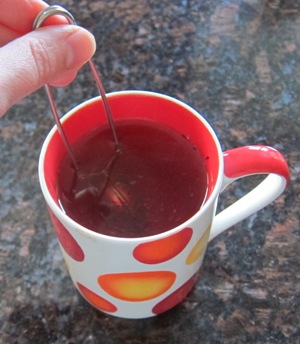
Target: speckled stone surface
238, 63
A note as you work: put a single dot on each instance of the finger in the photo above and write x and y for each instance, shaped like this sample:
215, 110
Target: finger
7, 35
40, 57
19, 15
64, 79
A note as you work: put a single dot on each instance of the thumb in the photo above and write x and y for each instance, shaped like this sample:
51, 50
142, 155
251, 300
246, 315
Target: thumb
52, 54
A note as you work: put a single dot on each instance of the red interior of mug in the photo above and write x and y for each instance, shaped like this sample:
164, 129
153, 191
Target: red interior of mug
142, 105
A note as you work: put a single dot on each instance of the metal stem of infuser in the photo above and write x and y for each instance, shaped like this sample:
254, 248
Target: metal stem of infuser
42, 16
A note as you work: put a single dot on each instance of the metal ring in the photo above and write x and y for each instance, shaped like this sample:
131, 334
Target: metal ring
50, 11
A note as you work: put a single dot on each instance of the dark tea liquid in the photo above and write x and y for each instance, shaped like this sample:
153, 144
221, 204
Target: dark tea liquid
154, 182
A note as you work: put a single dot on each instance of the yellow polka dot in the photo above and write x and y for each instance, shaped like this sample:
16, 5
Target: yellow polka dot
199, 248
137, 286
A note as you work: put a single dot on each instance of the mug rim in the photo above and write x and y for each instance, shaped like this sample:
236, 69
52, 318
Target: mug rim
87, 232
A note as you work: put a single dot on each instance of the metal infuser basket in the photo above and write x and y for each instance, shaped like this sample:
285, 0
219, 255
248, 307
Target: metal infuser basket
41, 17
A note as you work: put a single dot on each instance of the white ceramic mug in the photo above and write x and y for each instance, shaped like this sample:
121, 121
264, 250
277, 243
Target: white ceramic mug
143, 277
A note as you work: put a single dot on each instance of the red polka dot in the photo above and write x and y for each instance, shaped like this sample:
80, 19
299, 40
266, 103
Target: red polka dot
96, 300
66, 240
176, 297
159, 251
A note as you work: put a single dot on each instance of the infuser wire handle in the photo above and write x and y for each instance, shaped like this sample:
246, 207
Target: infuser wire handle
39, 20
50, 11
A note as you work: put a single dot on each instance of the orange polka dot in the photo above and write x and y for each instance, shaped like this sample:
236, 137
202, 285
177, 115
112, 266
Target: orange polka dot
137, 286
198, 249
161, 250
96, 300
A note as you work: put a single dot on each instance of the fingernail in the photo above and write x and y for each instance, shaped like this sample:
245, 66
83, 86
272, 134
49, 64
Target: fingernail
82, 47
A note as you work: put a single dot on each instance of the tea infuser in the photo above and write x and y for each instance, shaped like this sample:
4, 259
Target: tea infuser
39, 20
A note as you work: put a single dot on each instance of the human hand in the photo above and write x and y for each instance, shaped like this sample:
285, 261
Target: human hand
30, 59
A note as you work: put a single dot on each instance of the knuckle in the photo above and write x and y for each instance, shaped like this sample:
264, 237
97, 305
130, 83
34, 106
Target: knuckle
44, 59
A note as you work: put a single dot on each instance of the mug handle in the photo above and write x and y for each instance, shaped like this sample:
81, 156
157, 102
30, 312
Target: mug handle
245, 161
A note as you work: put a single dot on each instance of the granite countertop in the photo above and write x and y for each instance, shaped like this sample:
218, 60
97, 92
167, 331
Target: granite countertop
235, 61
